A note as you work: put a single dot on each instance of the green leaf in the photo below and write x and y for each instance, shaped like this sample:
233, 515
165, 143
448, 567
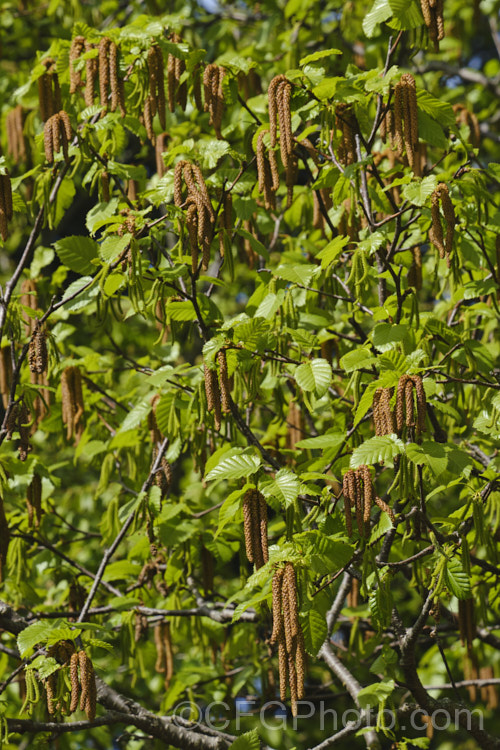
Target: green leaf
380, 12
331, 252
376, 694
440, 457
298, 274
81, 292
235, 466
180, 310
247, 741
406, 14
438, 109
230, 508
319, 55
136, 415
418, 191
356, 359
315, 630
77, 253
377, 449
330, 440
28, 638
457, 579
113, 246
284, 487
315, 375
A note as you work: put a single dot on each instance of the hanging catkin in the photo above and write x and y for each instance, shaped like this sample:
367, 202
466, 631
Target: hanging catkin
255, 527
213, 77
383, 418
160, 148
177, 91
213, 395
57, 135
6, 206
410, 116
34, 501
72, 402
279, 95
91, 73
225, 390
287, 633
405, 407
359, 492
16, 142
444, 245
5, 374
75, 51
37, 352
432, 11
49, 94
75, 684
157, 84
4, 540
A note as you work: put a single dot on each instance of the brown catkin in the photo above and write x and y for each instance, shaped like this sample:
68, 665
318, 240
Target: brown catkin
409, 94
34, 500
421, 403
171, 82
292, 680
4, 540
51, 689
45, 101
114, 78
91, 702
277, 604
72, 401
287, 615
258, 556
16, 142
398, 118
91, 71
273, 106
300, 664
368, 493
86, 676
76, 49
5, 374
225, 390
449, 216
358, 503
386, 508
75, 685
48, 140
23, 426
409, 404
161, 147
37, 352
104, 49
160, 648
248, 524
414, 275
262, 506
169, 654
192, 227
400, 404
283, 666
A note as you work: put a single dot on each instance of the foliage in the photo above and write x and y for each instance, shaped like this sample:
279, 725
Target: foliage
249, 247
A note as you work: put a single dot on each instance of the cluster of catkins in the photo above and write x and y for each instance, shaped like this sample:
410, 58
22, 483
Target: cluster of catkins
388, 422
287, 633
346, 123
359, 494
200, 216
443, 243
401, 123
432, 11
57, 135
279, 94
104, 67
164, 653
83, 693
218, 389
255, 527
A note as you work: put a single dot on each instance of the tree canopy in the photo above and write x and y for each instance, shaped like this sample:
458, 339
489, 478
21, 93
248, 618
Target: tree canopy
250, 375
